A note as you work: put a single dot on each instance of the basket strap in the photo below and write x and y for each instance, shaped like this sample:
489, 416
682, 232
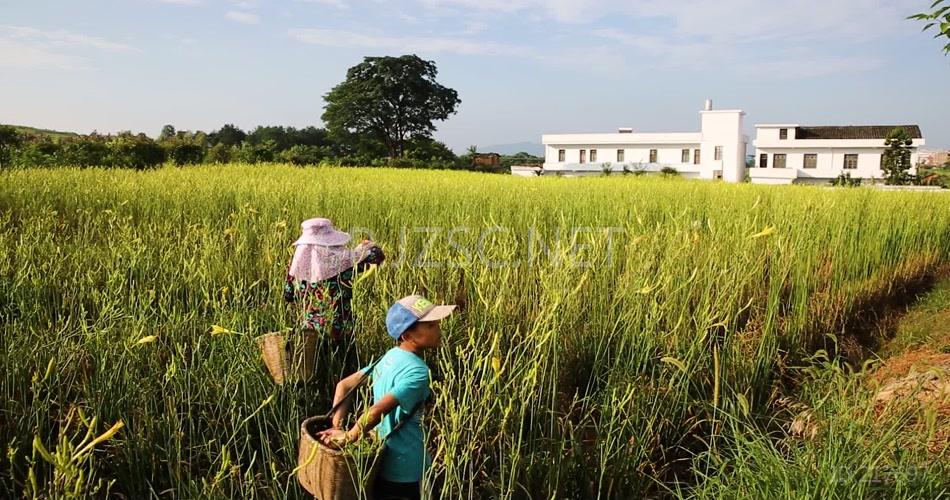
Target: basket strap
403, 421
362, 381
354, 388
408, 417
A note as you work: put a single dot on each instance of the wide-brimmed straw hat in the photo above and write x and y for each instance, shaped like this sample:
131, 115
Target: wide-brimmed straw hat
320, 231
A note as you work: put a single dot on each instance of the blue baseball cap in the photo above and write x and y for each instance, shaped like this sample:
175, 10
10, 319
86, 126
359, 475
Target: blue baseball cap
408, 310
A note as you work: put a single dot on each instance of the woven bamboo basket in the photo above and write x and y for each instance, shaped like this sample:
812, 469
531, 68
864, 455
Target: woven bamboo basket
331, 474
289, 359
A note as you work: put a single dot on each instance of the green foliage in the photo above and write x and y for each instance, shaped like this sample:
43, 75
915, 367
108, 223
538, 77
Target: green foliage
832, 444
255, 153
9, 139
278, 137
301, 154
229, 135
520, 158
184, 152
391, 99
135, 151
89, 151
895, 161
669, 171
425, 149
598, 378
38, 152
73, 472
43, 132
845, 180
219, 153
637, 169
938, 18
167, 133
305, 146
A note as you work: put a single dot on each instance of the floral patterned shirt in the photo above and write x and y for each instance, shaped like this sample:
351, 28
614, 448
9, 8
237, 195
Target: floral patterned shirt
327, 303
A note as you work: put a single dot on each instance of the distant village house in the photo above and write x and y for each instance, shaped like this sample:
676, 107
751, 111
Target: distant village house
784, 153
486, 159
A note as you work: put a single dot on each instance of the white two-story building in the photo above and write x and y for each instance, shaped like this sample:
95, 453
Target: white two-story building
784, 153
717, 151
790, 153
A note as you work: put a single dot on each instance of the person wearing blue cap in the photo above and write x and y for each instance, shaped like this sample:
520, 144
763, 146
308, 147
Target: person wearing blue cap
400, 387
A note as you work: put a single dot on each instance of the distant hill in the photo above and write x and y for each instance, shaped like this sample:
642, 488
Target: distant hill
534, 148
53, 134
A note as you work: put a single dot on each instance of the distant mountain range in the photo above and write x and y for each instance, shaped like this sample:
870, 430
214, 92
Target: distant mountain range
53, 134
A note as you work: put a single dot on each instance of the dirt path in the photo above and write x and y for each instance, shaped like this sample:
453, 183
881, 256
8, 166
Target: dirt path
914, 377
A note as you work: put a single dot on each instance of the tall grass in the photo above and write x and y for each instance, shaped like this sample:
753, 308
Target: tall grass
596, 366
844, 445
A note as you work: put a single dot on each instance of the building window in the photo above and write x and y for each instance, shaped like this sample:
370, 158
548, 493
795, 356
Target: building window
619, 155
851, 161
695, 157
783, 133
778, 160
718, 153
583, 156
593, 155
811, 161
684, 156
763, 160
652, 156
560, 155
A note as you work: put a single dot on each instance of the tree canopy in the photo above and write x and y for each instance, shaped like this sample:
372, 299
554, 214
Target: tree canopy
392, 99
895, 161
937, 18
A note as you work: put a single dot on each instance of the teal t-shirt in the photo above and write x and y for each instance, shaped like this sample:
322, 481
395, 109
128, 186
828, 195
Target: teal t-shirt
405, 376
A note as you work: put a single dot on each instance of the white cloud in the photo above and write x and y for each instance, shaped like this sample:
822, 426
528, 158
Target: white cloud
338, 4
184, 40
425, 44
243, 17
19, 55
60, 38
246, 4
474, 28
791, 61
811, 67
739, 18
24, 47
181, 2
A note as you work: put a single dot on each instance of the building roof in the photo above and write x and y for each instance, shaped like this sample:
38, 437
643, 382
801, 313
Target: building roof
854, 132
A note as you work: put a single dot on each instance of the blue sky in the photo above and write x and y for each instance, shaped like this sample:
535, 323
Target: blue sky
521, 67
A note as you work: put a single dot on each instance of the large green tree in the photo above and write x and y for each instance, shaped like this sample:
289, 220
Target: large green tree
937, 18
168, 132
392, 99
896, 158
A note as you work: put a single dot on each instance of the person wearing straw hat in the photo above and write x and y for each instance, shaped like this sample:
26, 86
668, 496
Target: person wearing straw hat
320, 279
400, 381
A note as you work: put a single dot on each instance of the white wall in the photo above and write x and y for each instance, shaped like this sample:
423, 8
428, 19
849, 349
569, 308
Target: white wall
830, 161
772, 133
666, 154
724, 128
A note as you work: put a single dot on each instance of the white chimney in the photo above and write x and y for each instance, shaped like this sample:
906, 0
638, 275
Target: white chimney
708, 104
